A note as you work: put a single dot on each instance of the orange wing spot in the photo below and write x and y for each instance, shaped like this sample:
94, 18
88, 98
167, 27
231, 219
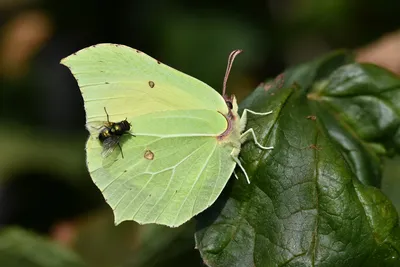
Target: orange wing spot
148, 154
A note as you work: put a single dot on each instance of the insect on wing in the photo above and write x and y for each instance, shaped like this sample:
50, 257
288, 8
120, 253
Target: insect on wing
109, 145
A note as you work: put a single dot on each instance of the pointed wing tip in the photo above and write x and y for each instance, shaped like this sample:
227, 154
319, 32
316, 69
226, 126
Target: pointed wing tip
64, 61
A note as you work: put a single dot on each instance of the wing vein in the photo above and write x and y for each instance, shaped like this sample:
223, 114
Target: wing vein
215, 184
194, 203
176, 135
153, 174
127, 191
195, 182
102, 190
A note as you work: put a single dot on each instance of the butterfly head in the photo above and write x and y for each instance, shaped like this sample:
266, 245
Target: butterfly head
231, 103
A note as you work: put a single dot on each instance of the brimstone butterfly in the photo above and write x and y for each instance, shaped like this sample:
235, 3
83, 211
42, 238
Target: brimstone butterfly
188, 137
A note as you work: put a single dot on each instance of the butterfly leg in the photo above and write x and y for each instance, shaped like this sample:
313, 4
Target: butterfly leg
241, 167
256, 113
243, 121
243, 118
245, 136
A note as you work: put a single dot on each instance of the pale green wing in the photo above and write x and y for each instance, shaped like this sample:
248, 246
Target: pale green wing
175, 167
163, 180
175, 123
130, 83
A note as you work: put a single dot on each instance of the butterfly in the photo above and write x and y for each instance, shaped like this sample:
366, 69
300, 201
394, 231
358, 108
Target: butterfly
188, 136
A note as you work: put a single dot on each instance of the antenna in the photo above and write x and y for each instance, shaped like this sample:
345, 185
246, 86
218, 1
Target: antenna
231, 58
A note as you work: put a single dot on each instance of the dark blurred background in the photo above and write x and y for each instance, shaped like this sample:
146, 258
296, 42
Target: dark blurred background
44, 184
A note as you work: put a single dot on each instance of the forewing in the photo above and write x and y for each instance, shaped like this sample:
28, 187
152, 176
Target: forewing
183, 177
130, 83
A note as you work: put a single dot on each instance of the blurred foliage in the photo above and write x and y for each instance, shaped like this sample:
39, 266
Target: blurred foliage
23, 248
42, 118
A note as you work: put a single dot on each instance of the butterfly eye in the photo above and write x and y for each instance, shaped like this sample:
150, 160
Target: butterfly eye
229, 104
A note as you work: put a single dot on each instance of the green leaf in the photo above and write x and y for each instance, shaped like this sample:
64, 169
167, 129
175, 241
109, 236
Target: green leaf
312, 200
20, 248
361, 108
